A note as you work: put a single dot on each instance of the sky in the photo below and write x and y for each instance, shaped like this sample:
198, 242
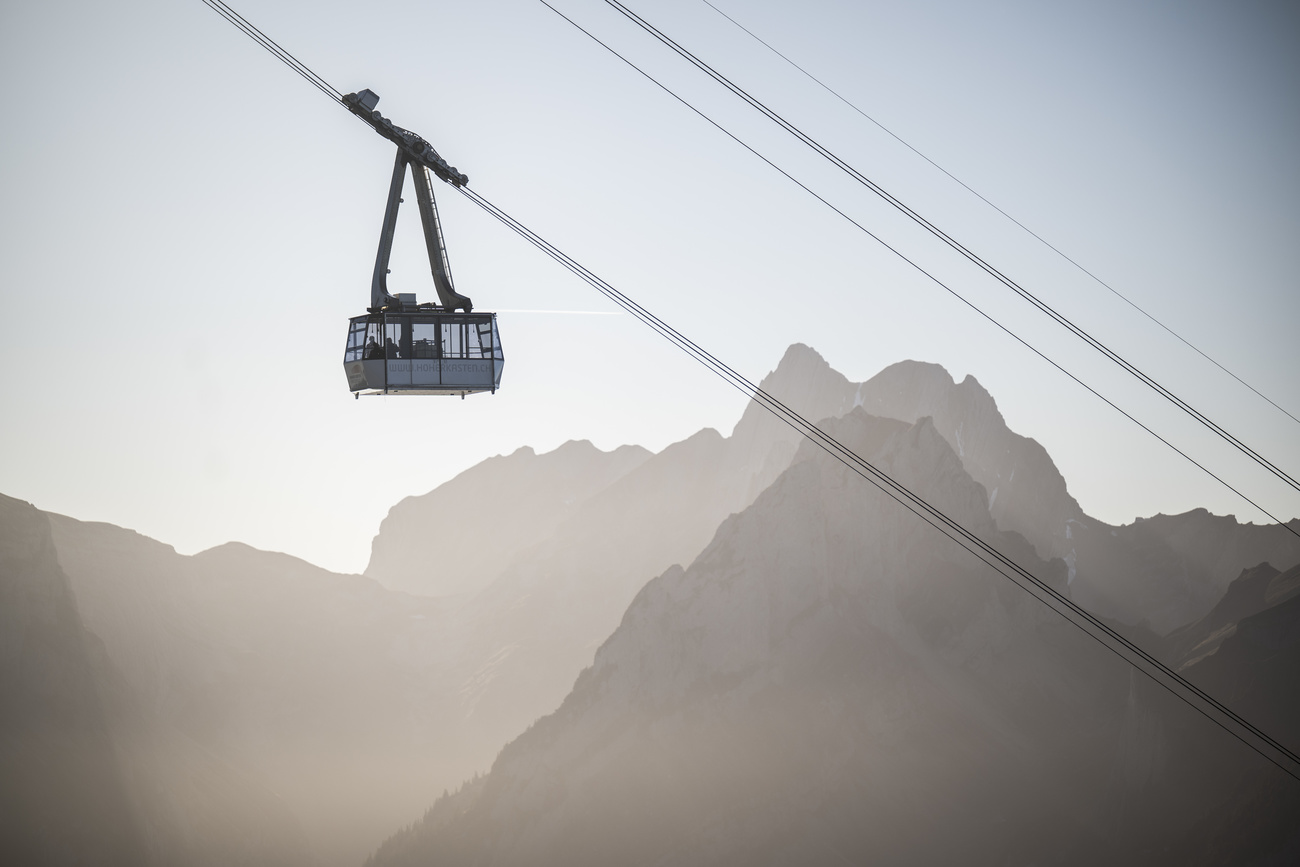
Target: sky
188, 225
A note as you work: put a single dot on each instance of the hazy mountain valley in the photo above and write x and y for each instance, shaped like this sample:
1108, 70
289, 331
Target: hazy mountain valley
732, 651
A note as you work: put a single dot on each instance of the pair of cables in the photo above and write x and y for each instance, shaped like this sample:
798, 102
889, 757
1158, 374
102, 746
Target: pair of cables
272, 46
1220, 714
1037, 237
862, 179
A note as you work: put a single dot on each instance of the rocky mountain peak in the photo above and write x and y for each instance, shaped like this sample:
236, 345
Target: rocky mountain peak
804, 382
1027, 494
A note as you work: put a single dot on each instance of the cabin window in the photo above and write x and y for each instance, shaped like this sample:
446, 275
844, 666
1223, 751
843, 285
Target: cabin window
426, 336
424, 340
356, 340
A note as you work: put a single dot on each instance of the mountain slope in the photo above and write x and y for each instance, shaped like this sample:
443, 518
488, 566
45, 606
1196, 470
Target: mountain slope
1166, 570
323, 693
63, 799
831, 682
1169, 570
458, 537
1027, 494
91, 775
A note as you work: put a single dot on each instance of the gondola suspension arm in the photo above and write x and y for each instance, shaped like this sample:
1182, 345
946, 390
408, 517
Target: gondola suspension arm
413, 151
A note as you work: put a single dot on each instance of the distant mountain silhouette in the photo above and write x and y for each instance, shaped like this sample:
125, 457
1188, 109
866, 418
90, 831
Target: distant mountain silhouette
1164, 571
89, 775
458, 537
831, 682
64, 800
1170, 569
326, 689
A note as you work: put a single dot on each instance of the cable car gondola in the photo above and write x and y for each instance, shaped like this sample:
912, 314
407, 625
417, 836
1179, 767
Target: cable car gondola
400, 346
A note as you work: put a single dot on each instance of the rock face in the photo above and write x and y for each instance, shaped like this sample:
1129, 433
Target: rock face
1027, 494
1246, 651
458, 537
64, 800
1164, 571
90, 774
1170, 569
323, 693
832, 682
1254, 590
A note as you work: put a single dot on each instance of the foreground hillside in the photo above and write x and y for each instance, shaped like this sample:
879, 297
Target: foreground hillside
90, 771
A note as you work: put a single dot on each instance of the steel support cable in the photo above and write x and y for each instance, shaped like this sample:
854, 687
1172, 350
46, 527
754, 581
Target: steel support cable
931, 515
1048, 244
983, 550
917, 266
272, 46
993, 272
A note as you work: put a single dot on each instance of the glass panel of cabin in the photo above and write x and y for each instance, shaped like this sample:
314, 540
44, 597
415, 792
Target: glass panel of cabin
374, 338
474, 340
356, 340
393, 337
453, 340
424, 339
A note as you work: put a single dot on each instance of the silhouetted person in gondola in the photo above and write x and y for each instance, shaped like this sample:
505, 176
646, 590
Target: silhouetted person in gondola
373, 350
390, 348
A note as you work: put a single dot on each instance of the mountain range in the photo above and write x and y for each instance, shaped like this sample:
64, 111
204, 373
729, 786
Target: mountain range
731, 651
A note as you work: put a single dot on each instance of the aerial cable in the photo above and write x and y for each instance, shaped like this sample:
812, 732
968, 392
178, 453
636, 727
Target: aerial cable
916, 265
903, 208
987, 553
1028, 230
272, 46
933, 516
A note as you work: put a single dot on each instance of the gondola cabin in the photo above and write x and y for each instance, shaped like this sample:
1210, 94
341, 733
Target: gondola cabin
423, 352
399, 346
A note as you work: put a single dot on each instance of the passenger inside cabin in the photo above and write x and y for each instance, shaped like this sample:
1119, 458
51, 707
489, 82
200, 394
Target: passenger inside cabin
373, 350
390, 348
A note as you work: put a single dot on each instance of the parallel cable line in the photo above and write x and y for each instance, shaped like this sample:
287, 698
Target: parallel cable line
978, 195
916, 265
953, 243
272, 46
1190, 694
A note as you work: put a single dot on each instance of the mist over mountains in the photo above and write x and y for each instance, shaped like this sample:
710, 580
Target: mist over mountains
731, 651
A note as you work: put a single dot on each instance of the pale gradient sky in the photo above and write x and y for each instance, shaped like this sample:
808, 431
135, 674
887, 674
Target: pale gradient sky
188, 225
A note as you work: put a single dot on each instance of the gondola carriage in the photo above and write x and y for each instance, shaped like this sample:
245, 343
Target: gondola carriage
400, 346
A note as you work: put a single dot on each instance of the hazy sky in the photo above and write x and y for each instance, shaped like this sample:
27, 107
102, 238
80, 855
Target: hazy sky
188, 225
